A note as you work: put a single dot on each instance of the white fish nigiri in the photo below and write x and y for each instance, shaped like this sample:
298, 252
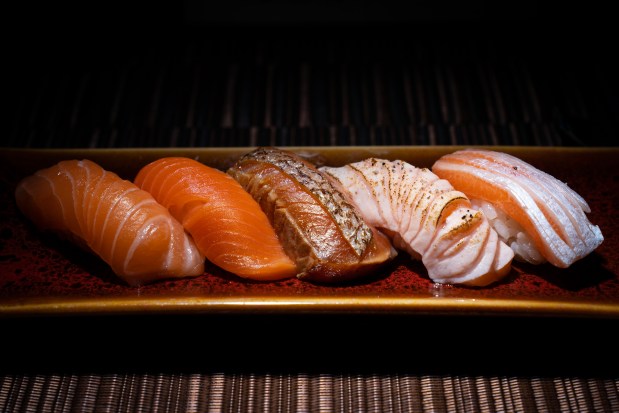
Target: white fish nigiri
540, 217
425, 216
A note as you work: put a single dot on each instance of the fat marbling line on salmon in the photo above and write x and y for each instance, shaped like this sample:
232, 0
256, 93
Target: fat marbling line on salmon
428, 218
113, 218
320, 229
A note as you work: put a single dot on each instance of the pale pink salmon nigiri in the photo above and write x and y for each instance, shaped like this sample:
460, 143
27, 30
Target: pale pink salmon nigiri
226, 222
113, 218
540, 217
428, 218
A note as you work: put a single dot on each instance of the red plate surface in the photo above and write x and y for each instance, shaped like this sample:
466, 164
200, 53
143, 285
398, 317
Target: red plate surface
39, 274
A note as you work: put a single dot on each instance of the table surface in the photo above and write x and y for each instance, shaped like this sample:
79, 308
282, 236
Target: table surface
309, 89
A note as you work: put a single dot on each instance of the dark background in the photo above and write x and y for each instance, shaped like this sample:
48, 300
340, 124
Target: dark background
66, 63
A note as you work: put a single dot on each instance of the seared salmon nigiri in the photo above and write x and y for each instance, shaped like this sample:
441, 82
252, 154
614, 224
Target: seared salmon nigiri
540, 217
324, 233
227, 224
112, 217
428, 218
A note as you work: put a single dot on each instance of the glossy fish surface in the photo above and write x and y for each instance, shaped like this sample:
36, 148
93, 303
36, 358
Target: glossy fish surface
113, 218
226, 223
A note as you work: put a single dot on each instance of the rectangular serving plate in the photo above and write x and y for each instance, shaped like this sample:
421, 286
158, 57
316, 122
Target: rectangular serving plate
41, 275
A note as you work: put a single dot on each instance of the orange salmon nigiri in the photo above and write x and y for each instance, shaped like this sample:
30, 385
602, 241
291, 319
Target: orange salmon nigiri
112, 217
227, 224
537, 215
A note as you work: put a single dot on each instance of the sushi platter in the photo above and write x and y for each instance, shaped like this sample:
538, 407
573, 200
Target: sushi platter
43, 274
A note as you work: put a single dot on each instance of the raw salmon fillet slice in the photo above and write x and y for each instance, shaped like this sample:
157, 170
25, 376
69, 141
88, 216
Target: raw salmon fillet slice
226, 223
113, 218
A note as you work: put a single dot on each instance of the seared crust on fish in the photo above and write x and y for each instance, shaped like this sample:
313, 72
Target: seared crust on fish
319, 228
428, 218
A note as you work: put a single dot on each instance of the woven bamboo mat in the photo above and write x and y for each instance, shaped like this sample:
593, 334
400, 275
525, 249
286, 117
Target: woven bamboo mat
221, 392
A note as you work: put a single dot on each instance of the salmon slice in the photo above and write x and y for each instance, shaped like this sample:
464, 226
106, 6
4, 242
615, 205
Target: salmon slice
428, 218
226, 223
111, 217
546, 209
320, 229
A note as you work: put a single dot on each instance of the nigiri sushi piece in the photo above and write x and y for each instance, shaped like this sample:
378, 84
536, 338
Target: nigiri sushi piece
111, 217
320, 229
226, 223
426, 217
540, 217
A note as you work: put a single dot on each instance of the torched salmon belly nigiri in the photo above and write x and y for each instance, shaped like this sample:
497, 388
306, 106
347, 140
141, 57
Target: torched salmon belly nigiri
226, 223
112, 217
327, 237
428, 218
540, 217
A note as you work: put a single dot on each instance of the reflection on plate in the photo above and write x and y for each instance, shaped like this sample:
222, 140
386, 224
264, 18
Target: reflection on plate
40, 274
